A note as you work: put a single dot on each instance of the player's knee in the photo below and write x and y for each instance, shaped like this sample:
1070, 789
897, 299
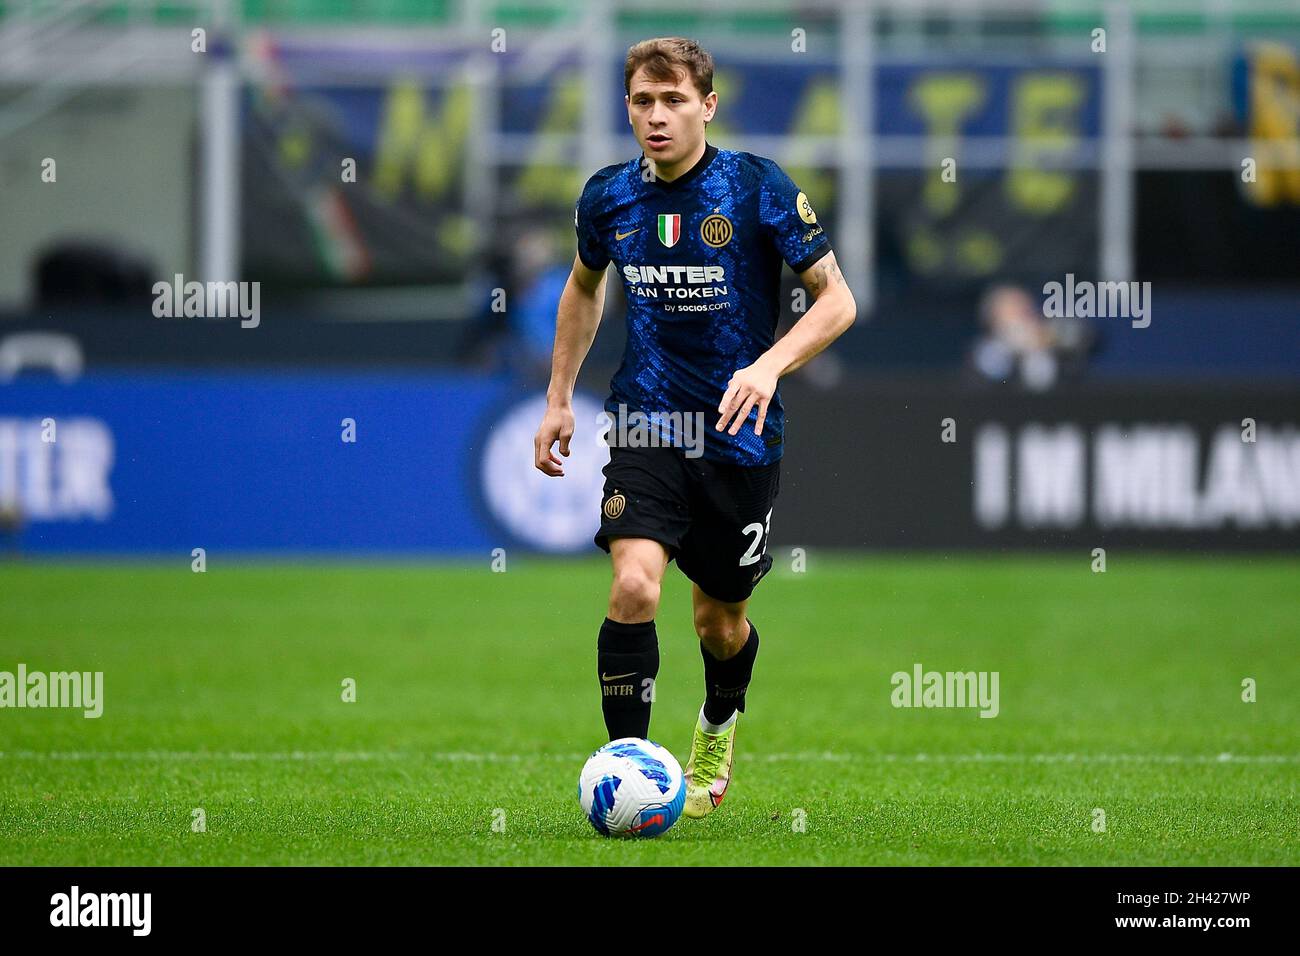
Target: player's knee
720, 629
634, 594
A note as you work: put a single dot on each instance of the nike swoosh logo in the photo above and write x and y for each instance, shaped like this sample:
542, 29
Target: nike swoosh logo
624, 235
608, 677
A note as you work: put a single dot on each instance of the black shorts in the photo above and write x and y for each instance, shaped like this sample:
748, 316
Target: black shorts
713, 517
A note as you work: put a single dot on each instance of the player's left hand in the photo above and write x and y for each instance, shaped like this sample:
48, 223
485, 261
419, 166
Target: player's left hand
753, 385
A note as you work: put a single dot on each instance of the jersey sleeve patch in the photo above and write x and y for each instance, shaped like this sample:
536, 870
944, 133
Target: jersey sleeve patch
788, 217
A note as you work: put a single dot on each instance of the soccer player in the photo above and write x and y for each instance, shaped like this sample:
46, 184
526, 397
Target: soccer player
698, 235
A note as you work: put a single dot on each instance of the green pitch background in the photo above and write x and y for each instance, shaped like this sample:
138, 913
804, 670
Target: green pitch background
477, 694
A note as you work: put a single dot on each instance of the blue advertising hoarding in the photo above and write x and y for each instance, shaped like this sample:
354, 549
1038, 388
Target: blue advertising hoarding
389, 464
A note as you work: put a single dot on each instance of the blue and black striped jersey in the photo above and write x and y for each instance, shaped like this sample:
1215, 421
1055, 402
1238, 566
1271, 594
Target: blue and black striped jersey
700, 259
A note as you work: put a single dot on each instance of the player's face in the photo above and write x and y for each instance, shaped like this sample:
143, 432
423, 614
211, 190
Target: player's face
668, 117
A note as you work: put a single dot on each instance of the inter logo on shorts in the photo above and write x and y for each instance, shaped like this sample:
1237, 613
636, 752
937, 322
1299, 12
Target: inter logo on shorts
670, 228
614, 505
716, 230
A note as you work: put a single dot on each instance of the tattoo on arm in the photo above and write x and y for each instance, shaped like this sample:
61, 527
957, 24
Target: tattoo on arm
823, 275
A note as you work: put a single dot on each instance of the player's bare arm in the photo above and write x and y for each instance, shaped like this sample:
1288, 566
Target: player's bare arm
576, 321
832, 312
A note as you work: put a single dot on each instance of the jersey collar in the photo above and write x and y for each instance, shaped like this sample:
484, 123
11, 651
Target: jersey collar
709, 152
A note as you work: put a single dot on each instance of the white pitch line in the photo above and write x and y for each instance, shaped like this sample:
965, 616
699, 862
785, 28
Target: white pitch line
344, 756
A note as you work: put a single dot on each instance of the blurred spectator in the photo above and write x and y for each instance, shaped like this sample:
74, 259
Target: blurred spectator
541, 274
514, 330
87, 273
1019, 346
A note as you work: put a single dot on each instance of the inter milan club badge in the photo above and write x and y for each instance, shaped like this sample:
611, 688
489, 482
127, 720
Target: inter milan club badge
716, 230
670, 228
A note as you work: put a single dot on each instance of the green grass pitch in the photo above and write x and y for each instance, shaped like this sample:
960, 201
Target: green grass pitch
477, 702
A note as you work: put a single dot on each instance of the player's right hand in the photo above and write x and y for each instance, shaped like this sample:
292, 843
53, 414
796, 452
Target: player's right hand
557, 425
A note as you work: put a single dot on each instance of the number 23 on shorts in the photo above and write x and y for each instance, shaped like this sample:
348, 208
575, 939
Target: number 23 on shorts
760, 533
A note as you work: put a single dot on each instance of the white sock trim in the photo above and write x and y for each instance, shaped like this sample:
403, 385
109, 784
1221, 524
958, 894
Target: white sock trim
716, 728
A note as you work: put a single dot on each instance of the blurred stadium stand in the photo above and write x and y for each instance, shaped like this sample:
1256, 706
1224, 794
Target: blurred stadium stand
457, 146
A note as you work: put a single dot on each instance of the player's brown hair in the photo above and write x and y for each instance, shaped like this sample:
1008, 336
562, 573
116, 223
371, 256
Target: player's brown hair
665, 58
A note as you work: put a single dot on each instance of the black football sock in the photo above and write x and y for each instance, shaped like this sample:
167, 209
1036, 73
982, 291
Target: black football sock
627, 659
725, 682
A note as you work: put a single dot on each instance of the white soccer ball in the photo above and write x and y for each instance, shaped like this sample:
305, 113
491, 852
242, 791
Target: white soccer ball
632, 788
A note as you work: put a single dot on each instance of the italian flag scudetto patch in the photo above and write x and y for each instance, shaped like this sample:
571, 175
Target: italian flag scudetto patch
670, 228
